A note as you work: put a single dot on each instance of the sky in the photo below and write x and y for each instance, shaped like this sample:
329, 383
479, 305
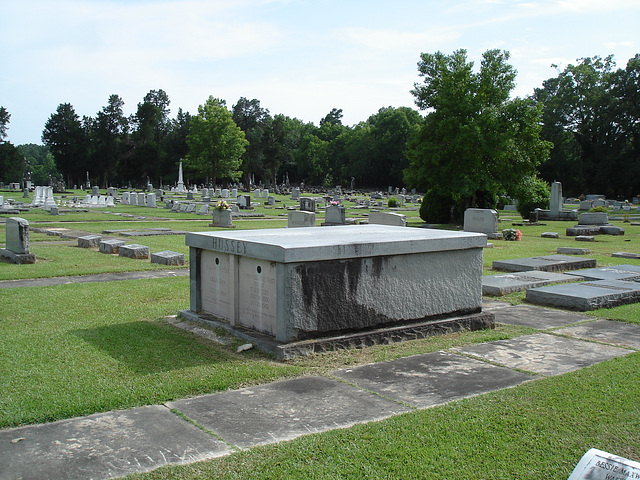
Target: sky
300, 58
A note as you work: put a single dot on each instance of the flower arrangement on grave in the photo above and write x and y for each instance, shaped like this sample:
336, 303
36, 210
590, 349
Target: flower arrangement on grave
222, 205
334, 203
511, 234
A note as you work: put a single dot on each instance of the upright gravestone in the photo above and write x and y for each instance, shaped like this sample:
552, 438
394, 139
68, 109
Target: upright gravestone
388, 218
17, 240
301, 219
151, 200
234, 193
481, 220
126, 198
334, 215
95, 191
555, 201
271, 200
141, 199
307, 204
225, 193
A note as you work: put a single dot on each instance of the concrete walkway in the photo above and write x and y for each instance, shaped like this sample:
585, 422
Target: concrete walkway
107, 445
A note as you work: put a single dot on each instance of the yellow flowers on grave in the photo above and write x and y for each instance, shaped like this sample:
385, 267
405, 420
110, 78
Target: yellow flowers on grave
222, 205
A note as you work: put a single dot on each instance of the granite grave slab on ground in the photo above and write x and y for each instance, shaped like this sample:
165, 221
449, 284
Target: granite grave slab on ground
630, 273
104, 445
518, 281
431, 379
633, 256
535, 317
586, 296
549, 263
285, 410
606, 331
543, 353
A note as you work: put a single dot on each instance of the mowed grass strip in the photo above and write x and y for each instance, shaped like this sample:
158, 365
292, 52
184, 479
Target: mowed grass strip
72, 350
536, 430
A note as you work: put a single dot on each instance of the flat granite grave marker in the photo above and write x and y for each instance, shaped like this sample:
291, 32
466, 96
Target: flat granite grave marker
586, 296
518, 281
633, 256
167, 257
599, 465
629, 273
548, 263
89, 241
111, 246
134, 251
304, 283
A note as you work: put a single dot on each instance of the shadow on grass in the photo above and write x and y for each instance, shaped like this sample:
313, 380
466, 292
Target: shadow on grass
148, 348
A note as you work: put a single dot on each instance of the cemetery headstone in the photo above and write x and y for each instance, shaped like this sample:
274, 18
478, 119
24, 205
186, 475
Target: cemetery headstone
89, 241
110, 245
555, 201
593, 218
17, 242
222, 218
167, 257
301, 218
307, 204
481, 220
599, 465
134, 251
388, 218
335, 215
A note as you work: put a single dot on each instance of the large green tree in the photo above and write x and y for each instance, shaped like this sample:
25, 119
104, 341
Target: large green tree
68, 142
216, 143
476, 142
110, 136
150, 125
253, 120
590, 113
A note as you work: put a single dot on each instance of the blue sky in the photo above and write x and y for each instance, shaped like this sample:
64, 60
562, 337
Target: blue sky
298, 57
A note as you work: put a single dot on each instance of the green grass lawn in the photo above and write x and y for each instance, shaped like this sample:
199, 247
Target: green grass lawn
75, 349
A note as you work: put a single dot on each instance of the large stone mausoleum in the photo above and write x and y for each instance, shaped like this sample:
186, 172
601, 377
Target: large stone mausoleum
293, 285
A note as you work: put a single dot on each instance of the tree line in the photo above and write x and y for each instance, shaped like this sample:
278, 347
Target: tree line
472, 143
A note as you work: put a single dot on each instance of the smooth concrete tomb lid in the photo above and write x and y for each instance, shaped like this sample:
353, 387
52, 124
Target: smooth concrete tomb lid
305, 244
